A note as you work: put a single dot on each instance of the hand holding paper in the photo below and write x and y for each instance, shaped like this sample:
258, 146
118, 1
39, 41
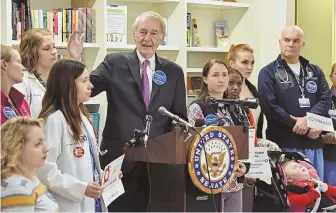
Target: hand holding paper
112, 184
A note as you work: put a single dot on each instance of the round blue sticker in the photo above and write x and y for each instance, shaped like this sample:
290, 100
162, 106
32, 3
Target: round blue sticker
159, 77
9, 113
211, 120
311, 86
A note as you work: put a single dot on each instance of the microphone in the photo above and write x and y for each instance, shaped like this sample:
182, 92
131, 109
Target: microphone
165, 112
199, 123
148, 120
252, 103
134, 141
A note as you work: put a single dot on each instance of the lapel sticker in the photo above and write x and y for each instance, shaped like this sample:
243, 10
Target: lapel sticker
9, 113
211, 120
311, 86
159, 77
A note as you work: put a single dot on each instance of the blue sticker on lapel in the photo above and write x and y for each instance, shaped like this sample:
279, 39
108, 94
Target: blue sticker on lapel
211, 120
311, 86
9, 113
159, 77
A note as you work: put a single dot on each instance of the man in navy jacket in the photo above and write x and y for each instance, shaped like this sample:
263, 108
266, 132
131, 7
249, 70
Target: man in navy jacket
289, 87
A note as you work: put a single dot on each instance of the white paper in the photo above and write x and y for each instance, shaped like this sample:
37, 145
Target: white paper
111, 183
113, 192
319, 122
261, 167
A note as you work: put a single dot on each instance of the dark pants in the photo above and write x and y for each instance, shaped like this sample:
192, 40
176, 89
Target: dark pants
136, 196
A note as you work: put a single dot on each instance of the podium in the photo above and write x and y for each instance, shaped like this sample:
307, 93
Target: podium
172, 188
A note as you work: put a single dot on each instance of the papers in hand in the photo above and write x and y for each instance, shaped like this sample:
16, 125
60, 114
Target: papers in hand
319, 122
111, 183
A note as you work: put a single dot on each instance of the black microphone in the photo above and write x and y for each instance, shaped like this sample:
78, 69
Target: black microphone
134, 141
164, 111
252, 103
148, 121
199, 123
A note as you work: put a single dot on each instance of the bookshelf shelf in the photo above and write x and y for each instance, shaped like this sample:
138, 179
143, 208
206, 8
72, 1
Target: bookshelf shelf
216, 4
194, 70
62, 44
111, 46
207, 49
144, 1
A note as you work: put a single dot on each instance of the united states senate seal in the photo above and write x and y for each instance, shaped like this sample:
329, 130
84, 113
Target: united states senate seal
212, 159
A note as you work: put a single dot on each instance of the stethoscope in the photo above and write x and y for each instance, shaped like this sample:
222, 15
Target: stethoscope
283, 80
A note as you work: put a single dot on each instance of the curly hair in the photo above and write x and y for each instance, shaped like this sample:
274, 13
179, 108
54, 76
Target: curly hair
13, 136
30, 43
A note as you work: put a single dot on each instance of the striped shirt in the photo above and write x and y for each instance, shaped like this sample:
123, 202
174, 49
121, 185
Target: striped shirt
19, 194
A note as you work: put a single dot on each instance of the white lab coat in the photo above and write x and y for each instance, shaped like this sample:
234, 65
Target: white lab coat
65, 175
33, 91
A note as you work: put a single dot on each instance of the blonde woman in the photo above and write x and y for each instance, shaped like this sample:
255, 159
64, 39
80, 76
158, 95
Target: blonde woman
39, 54
13, 102
22, 151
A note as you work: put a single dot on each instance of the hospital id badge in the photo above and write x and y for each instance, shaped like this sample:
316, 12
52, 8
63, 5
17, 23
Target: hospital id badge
304, 102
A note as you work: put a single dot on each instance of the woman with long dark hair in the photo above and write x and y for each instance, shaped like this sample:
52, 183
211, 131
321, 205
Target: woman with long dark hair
72, 172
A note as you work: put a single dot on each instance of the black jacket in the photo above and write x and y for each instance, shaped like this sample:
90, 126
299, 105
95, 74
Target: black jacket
279, 95
260, 124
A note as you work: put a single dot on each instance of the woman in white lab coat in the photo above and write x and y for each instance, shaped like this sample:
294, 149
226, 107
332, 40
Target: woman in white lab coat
72, 171
39, 54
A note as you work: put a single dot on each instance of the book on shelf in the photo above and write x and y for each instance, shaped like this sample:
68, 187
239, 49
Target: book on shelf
61, 22
21, 18
188, 29
196, 41
116, 24
222, 34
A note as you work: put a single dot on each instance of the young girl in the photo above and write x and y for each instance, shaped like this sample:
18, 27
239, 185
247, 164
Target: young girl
329, 148
13, 102
72, 172
39, 54
23, 151
215, 77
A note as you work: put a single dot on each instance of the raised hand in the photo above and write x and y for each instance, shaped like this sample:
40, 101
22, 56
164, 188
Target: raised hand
75, 45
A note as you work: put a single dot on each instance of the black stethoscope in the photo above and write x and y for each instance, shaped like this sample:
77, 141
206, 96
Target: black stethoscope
285, 79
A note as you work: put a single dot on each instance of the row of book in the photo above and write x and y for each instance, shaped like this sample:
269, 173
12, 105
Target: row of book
60, 22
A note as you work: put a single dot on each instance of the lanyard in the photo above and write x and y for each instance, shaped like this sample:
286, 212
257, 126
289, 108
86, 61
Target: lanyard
12, 106
40, 80
300, 81
94, 170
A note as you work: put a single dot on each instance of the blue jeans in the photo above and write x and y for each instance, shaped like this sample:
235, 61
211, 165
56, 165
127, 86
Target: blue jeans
330, 172
314, 155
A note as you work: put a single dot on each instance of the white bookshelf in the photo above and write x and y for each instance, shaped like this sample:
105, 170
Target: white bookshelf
194, 70
247, 20
62, 45
207, 49
212, 4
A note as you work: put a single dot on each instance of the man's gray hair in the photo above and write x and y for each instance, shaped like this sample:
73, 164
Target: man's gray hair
153, 15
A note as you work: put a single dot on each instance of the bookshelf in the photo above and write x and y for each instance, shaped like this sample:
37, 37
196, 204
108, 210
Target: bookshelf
246, 22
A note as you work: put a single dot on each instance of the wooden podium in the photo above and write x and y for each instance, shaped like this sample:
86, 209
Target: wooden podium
167, 155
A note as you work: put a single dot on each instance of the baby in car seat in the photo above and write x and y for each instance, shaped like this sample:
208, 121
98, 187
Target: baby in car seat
304, 191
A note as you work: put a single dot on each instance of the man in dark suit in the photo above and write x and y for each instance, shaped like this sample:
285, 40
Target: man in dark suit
135, 86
